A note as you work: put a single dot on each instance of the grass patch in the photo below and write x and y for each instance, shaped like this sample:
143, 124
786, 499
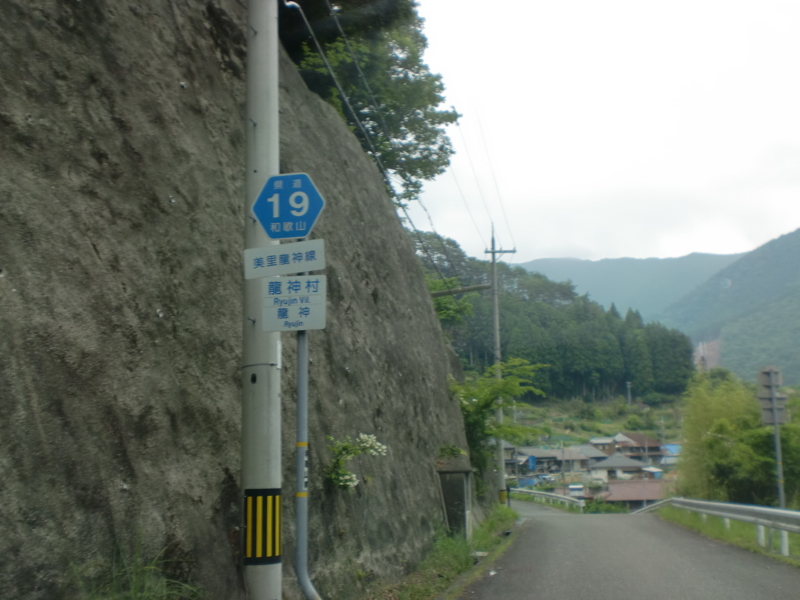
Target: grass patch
450, 557
485, 538
131, 578
740, 534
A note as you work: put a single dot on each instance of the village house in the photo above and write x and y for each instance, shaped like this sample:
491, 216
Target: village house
639, 447
604, 444
635, 493
591, 452
555, 460
617, 466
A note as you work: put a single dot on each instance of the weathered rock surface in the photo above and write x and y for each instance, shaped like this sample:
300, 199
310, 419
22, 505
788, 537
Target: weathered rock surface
121, 216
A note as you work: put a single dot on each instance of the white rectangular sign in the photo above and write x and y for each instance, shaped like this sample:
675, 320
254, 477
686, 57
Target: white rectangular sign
294, 303
284, 259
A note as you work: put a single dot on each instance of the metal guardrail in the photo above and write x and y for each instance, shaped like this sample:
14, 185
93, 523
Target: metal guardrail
762, 516
565, 500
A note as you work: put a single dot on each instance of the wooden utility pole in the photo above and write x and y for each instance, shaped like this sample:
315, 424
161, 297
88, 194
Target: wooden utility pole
501, 462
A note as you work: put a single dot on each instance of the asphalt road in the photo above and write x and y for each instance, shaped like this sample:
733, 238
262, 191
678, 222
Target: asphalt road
565, 556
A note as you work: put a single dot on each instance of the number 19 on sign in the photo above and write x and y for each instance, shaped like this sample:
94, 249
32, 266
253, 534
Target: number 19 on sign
288, 206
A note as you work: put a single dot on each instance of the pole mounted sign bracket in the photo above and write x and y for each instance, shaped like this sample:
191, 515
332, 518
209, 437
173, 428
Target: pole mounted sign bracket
288, 206
773, 403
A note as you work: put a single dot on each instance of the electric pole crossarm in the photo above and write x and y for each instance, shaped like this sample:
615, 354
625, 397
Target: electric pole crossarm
470, 288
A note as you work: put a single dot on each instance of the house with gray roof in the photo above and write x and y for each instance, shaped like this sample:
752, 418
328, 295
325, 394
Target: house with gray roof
617, 466
593, 454
604, 443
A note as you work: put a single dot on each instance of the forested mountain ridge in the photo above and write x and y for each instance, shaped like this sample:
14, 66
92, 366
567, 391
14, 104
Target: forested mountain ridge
648, 285
752, 307
590, 351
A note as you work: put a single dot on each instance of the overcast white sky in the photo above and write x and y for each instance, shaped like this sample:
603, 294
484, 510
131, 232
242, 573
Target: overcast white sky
617, 128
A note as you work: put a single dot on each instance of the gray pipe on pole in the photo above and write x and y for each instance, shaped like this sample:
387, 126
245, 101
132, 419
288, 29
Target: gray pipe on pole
301, 466
261, 354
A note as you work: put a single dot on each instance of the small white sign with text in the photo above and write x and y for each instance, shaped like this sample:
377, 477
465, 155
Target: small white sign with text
295, 303
284, 259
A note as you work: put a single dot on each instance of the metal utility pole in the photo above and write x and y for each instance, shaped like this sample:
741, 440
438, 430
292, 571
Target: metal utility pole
301, 470
501, 462
628, 384
261, 355
773, 412
773, 384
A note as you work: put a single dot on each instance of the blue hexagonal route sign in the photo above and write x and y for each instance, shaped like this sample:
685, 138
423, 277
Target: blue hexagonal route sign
288, 206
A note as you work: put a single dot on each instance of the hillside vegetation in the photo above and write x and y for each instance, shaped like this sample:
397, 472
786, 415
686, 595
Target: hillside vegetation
590, 352
728, 454
752, 307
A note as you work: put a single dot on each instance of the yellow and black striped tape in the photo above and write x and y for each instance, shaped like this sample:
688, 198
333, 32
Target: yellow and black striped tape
262, 539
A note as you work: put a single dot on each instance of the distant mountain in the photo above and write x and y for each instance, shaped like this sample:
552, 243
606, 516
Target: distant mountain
648, 285
750, 310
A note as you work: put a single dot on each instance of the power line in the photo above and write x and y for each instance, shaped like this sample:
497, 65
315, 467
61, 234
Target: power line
374, 104
373, 101
345, 99
494, 179
474, 173
374, 153
469, 212
376, 107
446, 252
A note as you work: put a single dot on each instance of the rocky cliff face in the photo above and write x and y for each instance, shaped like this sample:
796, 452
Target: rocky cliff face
121, 218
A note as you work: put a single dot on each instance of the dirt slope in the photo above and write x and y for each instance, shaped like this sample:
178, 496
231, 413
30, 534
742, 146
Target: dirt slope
121, 211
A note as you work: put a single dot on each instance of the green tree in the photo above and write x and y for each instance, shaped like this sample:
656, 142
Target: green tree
671, 355
451, 309
441, 255
479, 398
395, 97
638, 365
718, 460
355, 17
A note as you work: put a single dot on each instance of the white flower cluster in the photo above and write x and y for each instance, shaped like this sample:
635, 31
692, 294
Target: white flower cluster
369, 444
347, 480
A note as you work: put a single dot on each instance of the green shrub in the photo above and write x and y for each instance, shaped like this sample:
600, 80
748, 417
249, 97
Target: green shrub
634, 423
452, 555
599, 505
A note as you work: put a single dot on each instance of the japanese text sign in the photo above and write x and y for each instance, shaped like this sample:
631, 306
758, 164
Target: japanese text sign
295, 303
284, 259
